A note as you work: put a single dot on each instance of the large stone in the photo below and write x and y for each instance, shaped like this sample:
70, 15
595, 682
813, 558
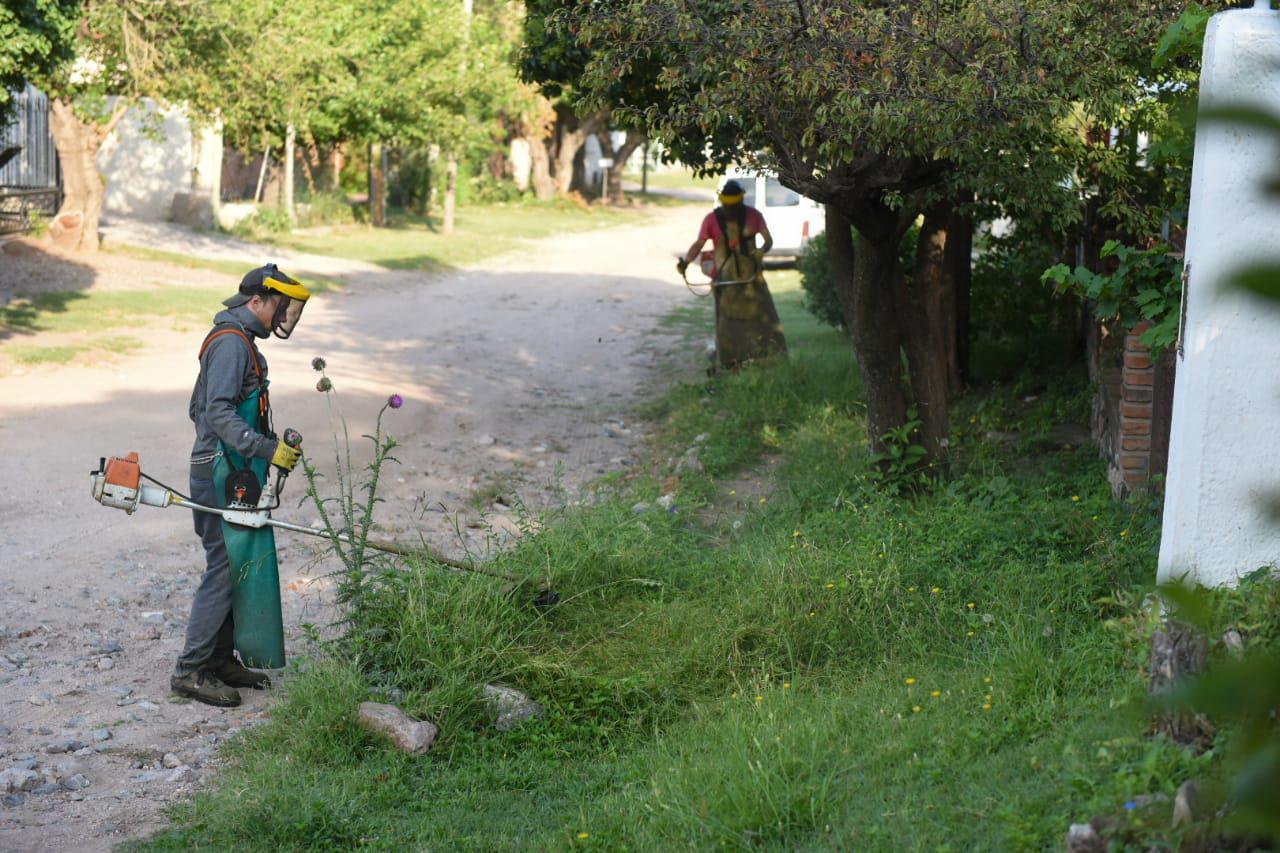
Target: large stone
509, 706
410, 735
19, 779
1186, 804
76, 782
1083, 838
193, 209
67, 745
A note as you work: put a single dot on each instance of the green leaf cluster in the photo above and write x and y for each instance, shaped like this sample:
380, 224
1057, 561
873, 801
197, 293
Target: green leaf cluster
35, 36
1145, 284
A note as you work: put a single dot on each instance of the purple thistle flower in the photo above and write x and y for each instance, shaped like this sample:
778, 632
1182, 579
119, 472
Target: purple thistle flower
395, 401
317, 363
324, 385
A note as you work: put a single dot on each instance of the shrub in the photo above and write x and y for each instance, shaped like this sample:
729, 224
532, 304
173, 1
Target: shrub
327, 208
819, 289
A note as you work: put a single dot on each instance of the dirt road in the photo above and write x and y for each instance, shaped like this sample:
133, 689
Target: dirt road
515, 374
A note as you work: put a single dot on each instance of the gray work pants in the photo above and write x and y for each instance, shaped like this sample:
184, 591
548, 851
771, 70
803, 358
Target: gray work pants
210, 628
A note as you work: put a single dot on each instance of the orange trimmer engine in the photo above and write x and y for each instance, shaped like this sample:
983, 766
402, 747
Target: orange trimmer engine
118, 481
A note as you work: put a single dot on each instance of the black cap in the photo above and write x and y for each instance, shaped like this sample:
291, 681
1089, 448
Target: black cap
252, 284
731, 187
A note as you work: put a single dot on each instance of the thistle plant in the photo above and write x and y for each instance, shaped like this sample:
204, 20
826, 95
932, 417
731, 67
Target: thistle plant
348, 517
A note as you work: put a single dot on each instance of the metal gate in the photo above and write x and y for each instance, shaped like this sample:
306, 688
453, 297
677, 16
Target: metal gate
30, 177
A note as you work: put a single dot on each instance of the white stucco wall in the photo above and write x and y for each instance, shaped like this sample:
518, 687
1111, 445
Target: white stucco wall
1224, 449
143, 172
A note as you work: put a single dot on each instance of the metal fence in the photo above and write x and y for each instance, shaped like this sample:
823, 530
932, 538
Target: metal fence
30, 177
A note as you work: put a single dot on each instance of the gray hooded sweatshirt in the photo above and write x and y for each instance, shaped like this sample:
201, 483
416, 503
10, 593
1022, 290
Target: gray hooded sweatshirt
226, 380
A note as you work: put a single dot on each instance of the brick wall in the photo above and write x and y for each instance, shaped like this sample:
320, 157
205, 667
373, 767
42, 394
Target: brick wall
1137, 406
1139, 445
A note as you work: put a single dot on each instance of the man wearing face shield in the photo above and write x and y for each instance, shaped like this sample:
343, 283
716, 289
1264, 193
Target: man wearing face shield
232, 416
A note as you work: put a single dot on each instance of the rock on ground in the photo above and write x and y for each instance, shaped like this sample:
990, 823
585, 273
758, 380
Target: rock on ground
510, 706
410, 735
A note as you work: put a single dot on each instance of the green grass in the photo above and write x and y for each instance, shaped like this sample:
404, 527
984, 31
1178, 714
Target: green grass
91, 311
481, 231
233, 269
755, 675
31, 354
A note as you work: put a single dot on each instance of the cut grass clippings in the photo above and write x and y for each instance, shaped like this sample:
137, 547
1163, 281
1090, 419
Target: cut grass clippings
830, 667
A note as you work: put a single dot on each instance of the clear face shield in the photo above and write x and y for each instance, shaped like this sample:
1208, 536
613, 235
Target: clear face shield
286, 317
293, 298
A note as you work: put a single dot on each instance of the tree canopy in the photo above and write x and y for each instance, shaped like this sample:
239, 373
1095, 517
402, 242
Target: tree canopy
35, 37
882, 111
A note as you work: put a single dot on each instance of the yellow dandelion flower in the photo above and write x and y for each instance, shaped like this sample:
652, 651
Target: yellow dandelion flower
910, 681
759, 698
812, 614
970, 605
911, 589
762, 500
936, 590
968, 633
986, 706
831, 586
986, 679
1095, 518
733, 491
915, 709
797, 534
936, 693
786, 685
987, 698
1075, 499
584, 835
973, 420
1124, 533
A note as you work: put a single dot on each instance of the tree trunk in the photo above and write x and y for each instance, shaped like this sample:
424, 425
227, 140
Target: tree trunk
620, 157
571, 142
377, 187
960, 272
929, 331
544, 186
75, 225
865, 280
290, 156
450, 192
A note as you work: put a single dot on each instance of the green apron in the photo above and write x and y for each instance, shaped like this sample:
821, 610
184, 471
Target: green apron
255, 574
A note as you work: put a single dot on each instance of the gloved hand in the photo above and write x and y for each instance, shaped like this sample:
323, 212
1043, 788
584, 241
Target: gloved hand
285, 457
681, 266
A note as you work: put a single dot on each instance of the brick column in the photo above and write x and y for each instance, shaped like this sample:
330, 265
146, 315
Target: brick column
1137, 381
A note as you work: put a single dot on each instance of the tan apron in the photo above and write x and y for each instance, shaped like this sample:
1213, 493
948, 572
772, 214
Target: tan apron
747, 324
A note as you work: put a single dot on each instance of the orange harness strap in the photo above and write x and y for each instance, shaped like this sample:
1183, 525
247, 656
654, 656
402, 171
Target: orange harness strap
264, 404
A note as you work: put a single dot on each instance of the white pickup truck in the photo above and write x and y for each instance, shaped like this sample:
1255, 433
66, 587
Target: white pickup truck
792, 218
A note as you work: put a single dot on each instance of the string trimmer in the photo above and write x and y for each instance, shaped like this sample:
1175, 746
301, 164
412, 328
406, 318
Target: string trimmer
707, 263
118, 483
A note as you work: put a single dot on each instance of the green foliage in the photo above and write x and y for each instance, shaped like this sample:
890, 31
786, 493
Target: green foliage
327, 208
1017, 324
347, 517
263, 222
898, 464
766, 684
1146, 284
819, 290
35, 36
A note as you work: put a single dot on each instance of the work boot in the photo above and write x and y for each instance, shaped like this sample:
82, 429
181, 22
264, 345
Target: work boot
204, 686
232, 673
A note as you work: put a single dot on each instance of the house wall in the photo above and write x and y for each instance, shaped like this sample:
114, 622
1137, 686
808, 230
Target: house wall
144, 171
1225, 443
